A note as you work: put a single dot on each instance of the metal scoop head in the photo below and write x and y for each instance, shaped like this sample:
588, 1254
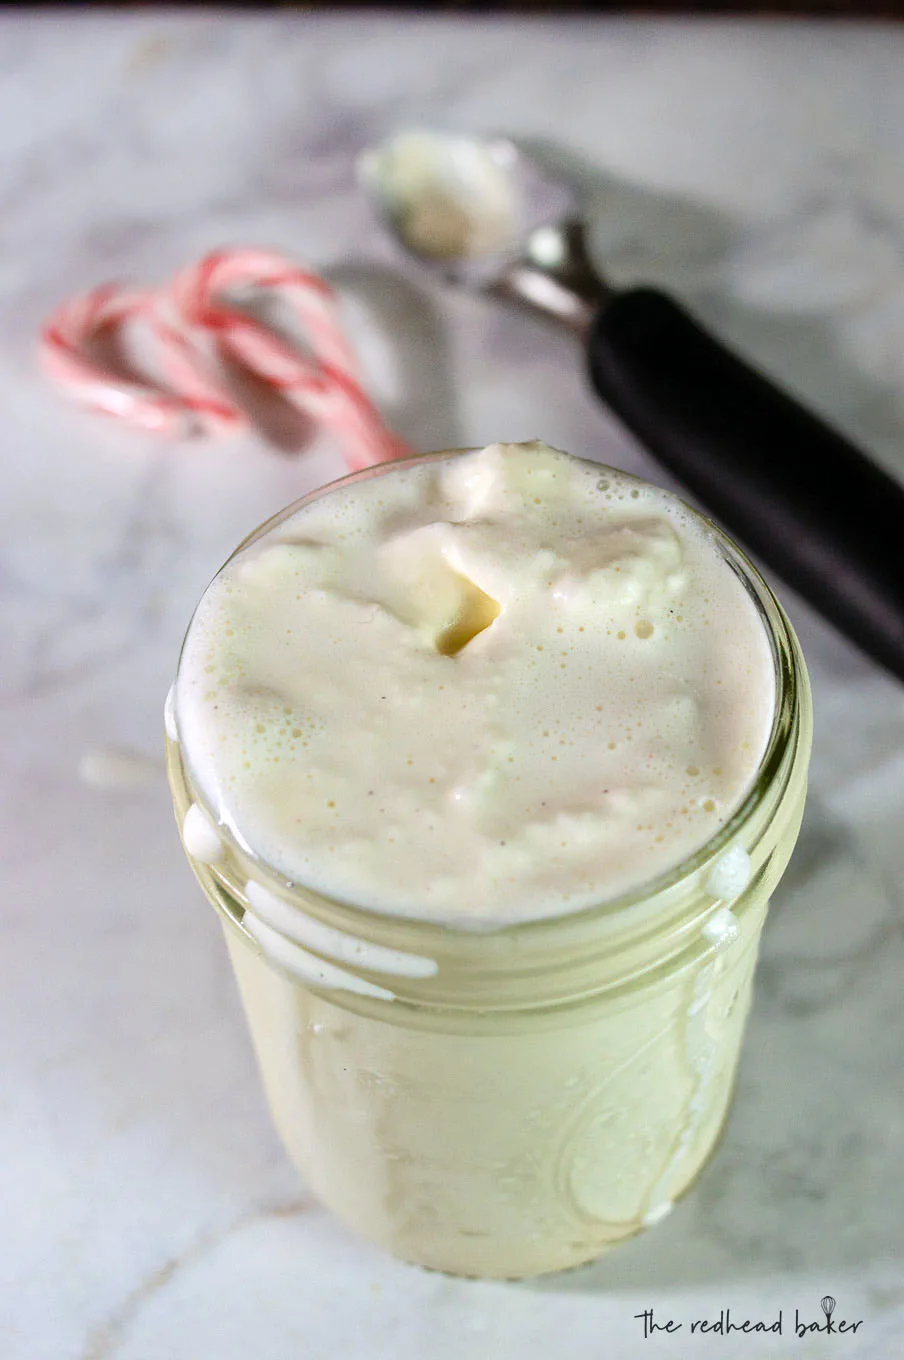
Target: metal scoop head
484, 214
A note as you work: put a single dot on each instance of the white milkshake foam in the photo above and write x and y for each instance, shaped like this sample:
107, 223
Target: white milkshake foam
479, 690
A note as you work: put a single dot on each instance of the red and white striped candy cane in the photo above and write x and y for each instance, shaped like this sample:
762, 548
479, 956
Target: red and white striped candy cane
196, 405
326, 384
184, 319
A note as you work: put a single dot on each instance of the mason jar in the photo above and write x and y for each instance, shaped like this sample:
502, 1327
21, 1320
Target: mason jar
510, 1102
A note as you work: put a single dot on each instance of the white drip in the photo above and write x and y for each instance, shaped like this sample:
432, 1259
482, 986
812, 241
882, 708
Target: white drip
730, 875
288, 920
308, 968
700, 1050
722, 927
200, 837
169, 714
654, 1216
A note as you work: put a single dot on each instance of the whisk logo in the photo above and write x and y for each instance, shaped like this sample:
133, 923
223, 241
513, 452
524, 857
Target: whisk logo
827, 1304
725, 1322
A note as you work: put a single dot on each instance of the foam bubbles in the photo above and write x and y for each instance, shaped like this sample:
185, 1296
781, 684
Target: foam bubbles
479, 691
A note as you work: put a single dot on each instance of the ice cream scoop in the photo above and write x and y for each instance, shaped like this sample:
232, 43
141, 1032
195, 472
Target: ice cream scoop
484, 214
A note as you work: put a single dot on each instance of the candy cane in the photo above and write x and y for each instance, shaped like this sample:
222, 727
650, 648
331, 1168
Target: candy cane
326, 385
197, 405
196, 310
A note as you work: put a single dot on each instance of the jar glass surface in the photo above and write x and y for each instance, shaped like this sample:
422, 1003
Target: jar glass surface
511, 1102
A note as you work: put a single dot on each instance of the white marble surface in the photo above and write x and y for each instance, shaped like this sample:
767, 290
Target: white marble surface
148, 1212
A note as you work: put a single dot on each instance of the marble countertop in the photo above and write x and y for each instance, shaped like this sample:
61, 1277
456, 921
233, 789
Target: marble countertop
148, 1211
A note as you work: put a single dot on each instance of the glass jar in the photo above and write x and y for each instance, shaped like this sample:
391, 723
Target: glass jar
512, 1102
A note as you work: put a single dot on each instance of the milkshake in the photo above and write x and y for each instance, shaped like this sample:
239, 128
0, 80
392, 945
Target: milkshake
490, 761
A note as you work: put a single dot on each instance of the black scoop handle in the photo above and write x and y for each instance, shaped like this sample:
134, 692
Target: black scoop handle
795, 492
